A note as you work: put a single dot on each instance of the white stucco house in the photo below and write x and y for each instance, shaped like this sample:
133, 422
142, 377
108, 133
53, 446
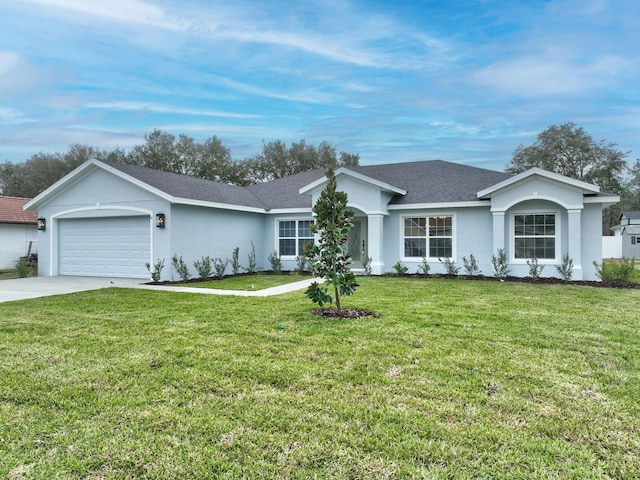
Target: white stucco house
109, 219
18, 231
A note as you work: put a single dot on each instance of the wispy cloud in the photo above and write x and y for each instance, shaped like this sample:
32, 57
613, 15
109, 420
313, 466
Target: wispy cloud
130, 11
542, 75
155, 108
17, 74
394, 81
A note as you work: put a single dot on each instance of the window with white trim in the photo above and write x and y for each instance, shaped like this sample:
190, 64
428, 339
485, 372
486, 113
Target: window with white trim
430, 237
292, 236
534, 235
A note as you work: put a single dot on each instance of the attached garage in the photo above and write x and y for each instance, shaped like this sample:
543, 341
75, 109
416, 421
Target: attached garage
104, 246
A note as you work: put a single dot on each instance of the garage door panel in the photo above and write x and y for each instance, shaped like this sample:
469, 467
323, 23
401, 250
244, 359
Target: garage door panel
113, 246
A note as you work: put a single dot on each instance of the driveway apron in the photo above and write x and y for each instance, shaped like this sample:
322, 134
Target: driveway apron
34, 287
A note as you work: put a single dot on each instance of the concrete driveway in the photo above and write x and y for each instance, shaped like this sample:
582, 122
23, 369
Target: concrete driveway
34, 287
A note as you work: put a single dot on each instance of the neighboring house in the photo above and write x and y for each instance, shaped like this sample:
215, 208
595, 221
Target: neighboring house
109, 219
18, 231
629, 230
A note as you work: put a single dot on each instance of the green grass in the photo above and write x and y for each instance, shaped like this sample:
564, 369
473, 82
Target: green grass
247, 282
454, 379
611, 267
8, 274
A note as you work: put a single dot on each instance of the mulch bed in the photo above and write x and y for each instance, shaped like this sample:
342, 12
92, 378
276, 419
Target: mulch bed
542, 281
344, 313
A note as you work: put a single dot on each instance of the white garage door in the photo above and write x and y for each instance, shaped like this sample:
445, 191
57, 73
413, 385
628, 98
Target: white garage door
104, 247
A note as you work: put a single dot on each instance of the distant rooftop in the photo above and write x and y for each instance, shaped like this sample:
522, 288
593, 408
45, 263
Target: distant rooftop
11, 211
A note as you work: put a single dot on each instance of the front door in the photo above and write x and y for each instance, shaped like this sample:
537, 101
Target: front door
357, 242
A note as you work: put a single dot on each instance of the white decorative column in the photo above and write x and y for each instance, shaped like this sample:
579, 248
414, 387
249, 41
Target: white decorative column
375, 240
574, 231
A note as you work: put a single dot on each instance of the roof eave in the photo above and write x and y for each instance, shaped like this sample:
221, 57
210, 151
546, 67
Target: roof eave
440, 205
387, 187
579, 184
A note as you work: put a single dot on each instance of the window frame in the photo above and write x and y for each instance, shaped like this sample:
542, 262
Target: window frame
296, 238
557, 236
427, 237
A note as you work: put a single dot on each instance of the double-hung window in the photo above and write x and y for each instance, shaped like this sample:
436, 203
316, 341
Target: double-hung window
534, 235
292, 236
430, 237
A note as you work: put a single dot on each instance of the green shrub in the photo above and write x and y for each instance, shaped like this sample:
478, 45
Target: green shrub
424, 267
400, 268
449, 266
252, 260
180, 266
301, 264
235, 261
534, 268
500, 264
276, 262
220, 266
625, 269
203, 267
156, 270
471, 266
366, 265
622, 270
25, 269
565, 269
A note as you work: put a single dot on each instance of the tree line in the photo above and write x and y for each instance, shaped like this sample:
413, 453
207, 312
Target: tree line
565, 149
210, 160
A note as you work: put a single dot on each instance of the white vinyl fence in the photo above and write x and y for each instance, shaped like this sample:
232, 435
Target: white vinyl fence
612, 247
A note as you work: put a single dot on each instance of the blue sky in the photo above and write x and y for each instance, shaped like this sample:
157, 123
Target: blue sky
463, 81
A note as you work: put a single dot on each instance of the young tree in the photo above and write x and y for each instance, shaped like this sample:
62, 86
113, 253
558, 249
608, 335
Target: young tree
329, 258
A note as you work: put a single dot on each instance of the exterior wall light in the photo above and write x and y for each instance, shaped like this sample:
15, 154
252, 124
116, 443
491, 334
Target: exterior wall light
42, 224
160, 221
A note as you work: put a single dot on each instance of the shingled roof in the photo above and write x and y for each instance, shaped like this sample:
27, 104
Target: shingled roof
11, 211
431, 181
191, 188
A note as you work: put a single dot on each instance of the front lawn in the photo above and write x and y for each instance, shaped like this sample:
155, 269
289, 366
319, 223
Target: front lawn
454, 379
246, 282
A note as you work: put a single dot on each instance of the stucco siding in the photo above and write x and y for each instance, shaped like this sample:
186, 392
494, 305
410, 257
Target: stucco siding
14, 243
271, 239
591, 240
195, 232
472, 234
101, 188
536, 189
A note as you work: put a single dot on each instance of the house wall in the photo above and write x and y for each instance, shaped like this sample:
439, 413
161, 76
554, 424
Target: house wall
270, 239
591, 240
472, 234
363, 196
14, 243
109, 195
579, 232
194, 232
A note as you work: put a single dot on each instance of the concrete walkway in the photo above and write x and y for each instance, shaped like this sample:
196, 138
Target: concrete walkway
34, 287
267, 292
